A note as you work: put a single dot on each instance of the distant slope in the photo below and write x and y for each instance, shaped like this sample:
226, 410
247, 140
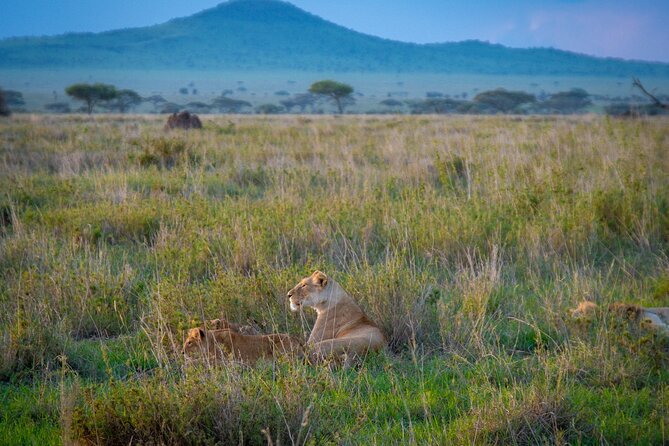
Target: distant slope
271, 34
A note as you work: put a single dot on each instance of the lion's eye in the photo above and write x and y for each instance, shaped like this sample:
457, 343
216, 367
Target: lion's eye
303, 285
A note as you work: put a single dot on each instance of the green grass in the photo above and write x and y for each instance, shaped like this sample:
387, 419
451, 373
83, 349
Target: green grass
466, 238
29, 414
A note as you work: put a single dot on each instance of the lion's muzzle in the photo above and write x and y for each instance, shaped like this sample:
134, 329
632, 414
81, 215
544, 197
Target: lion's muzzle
295, 304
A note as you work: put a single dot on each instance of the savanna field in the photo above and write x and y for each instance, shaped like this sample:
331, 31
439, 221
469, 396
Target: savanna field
467, 239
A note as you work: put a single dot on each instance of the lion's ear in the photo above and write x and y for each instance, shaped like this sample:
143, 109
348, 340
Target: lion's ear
320, 278
196, 333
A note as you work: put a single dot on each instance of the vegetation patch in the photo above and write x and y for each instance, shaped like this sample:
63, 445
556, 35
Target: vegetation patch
164, 153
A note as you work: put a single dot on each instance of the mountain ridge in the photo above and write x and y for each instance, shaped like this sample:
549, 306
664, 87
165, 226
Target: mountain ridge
273, 34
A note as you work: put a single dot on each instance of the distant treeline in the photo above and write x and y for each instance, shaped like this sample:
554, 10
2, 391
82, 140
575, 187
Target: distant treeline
110, 99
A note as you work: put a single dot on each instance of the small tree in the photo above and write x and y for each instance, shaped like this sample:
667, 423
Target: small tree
571, 101
438, 106
301, 101
198, 107
503, 100
156, 99
229, 105
13, 98
391, 103
336, 91
170, 107
92, 94
125, 100
269, 109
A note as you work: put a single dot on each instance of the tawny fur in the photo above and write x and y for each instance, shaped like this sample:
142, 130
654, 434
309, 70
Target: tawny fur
219, 345
223, 324
656, 318
584, 310
341, 327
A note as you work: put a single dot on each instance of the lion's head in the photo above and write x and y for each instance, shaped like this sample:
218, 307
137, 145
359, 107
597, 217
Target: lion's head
195, 341
309, 291
584, 311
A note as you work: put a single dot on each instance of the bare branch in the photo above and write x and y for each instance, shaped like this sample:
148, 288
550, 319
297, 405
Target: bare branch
637, 83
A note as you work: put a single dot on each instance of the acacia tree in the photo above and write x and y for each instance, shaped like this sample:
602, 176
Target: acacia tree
300, 101
125, 100
334, 90
504, 100
571, 101
230, 105
269, 109
92, 94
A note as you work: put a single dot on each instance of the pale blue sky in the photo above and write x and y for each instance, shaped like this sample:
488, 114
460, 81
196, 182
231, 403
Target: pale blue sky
636, 29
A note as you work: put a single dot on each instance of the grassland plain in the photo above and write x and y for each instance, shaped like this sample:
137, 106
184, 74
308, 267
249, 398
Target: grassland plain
466, 238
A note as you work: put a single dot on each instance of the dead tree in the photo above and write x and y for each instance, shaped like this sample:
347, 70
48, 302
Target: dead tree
637, 83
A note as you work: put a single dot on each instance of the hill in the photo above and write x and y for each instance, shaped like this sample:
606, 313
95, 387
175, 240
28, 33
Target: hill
272, 34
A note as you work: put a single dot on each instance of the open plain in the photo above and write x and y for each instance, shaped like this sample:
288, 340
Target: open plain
466, 239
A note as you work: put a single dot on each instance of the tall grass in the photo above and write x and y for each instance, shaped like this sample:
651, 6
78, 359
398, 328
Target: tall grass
465, 238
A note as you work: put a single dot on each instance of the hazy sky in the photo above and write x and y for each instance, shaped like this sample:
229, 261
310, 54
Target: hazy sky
636, 29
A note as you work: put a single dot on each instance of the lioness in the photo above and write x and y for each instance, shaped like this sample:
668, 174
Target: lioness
341, 327
656, 318
221, 344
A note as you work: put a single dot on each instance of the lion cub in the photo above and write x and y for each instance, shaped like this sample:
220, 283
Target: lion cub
585, 310
224, 324
219, 345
